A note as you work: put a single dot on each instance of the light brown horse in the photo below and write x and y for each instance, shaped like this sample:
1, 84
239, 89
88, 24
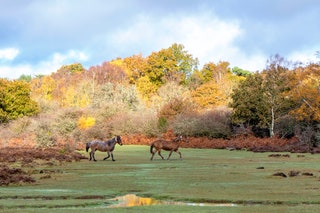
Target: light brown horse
103, 146
171, 146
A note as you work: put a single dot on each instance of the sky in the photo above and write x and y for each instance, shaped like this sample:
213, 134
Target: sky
37, 37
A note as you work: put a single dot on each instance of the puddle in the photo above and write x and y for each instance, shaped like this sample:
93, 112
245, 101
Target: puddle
131, 200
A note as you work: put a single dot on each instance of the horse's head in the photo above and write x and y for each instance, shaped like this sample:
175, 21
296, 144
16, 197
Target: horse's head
182, 139
118, 139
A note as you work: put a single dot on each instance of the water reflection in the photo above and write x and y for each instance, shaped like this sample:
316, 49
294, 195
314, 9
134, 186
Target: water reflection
130, 200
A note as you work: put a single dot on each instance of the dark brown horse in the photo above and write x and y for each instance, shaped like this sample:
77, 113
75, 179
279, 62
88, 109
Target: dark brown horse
103, 146
171, 146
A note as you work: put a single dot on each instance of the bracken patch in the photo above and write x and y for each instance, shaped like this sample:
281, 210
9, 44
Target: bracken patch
26, 158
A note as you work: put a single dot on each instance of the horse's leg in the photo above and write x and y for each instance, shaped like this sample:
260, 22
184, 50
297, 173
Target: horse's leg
152, 155
90, 156
107, 156
112, 157
177, 151
159, 152
169, 154
93, 156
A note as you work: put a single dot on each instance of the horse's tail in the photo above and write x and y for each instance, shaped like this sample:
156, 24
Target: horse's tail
87, 146
151, 147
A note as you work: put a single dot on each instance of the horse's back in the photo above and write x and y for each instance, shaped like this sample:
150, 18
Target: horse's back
165, 145
94, 143
157, 143
102, 146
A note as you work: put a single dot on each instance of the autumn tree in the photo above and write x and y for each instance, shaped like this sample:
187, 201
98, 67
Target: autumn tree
216, 82
15, 100
42, 87
305, 92
71, 68
209, 95
134, 66
167, 65
215, 72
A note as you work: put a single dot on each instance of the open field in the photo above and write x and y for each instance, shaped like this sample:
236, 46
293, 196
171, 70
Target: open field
206, 180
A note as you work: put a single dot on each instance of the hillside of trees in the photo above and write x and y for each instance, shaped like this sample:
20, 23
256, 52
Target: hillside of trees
163, 92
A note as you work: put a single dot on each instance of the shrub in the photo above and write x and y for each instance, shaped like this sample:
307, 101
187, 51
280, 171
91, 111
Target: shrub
162, 124
116, 94
86, 122
19, 125
317, 135
285, 126
44, 135
94, 132
213, 124
173, 108
307, 134
135, 123
66, 122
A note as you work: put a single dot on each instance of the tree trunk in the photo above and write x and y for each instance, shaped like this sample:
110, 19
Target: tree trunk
272, 122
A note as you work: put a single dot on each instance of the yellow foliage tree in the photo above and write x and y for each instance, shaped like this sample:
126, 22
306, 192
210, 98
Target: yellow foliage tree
43, 87
146, 88
137, 65
306, 93
86, 122
209, 95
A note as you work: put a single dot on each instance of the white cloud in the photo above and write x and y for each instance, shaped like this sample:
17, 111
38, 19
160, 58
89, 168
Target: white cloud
8, 53
206, 37
14, 72
304, 56
43, 67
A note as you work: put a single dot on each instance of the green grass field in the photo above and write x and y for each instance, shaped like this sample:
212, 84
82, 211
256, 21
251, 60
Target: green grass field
204, 177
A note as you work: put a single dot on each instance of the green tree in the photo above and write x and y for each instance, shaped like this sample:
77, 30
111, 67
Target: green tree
15, 100
171, 64
24, 77
240, 72
262, 98
248, 102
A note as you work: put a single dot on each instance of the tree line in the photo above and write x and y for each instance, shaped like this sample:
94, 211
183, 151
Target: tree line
169, 89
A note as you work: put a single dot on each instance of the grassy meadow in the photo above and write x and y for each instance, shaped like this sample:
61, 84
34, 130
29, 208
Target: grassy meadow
234, 181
